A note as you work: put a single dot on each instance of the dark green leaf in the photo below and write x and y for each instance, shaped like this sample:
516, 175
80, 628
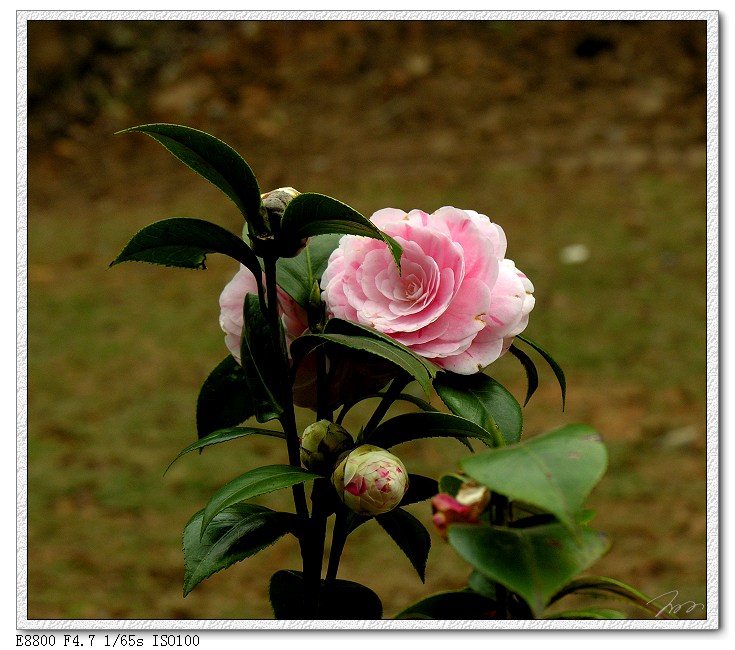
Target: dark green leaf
420, 488
296, 275
260, 361
224, 400
225, 435
406, 361
555, 471
410, 535
463, 605
415, 426
592, 613
609, 587
233, 535
532, 562
482, 585
558, 372
482, 400
316, 214
252, 484
450, 484
529, 367
216, 161
185, 243
344, 600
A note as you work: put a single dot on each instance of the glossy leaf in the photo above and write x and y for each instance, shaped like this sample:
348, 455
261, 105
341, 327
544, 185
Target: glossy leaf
296, 275
234, 534
462, 605
482, 400
592, 613
316, 214
261, 480
224, 400
410, 535
185, 243
415, 426
554, 471
529, 367
406, 361
260, 361
603, 587
420, 488
211, 158
555, 367
343, 600
225, 435
532, 562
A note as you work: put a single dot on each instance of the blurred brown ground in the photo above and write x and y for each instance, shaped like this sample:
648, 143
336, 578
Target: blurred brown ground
408, 114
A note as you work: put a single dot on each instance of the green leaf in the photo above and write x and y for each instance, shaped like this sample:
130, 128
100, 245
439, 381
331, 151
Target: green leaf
406, 361
410, 535
415, 426
344, 600
592, 613
316, 214
529, 367
482, 400
461, 605
261, 480
532, 562
601, 586
223, 400
558, 372
341, 326
450, 484
225, 435
554, 471
211, 158
296, 275
185, 243
234, 534
420, 488
260, 361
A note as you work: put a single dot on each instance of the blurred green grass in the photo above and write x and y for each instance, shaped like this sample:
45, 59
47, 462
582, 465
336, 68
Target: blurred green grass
116, 358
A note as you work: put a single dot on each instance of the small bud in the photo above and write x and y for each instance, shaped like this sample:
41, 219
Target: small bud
273, 205
370, 480
321, 445
466, 507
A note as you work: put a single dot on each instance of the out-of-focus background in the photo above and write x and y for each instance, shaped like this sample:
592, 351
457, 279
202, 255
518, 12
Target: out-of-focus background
585, 140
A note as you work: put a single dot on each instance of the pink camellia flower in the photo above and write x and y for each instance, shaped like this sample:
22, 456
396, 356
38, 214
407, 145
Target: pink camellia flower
456, 301
370, 480
466, 508
231, 305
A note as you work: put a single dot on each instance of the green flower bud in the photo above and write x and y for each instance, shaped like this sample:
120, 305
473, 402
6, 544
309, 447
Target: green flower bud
321, 445
370, 480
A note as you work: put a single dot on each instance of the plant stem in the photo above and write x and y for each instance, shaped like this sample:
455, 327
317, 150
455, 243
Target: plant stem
339, 538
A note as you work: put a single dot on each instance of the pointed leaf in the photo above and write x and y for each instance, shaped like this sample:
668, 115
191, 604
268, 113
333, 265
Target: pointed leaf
234, 534
216, 161
344, 600
223, 400
225, 435
185, 243
462, 605
410, 535
532, 562
420, 488
296, 275
482, 400
415, 426
592, 613
252, 484
529, 367
406, 361
260, 361
554, 471
316, 214
558, 372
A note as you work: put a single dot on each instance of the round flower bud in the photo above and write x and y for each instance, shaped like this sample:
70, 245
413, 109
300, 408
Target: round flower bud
322, 443
274, 203
469, 503
370, 481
